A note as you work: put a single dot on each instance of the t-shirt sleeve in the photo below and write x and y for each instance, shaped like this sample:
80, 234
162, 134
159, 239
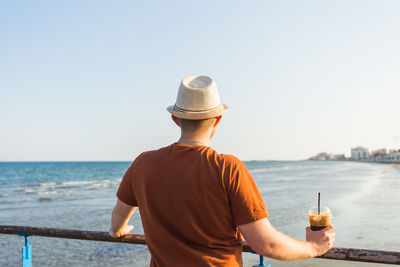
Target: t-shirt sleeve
126, 192
246, 202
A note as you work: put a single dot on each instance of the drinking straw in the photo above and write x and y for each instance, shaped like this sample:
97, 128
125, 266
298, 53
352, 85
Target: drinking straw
319, 198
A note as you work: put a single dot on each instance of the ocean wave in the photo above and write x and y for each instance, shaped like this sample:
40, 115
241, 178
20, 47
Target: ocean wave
46, 192
29, 191
38, 192
3, 195
41, 184
272, 169
47, 184
69, 183
65, 188
97, 186
74, 182
85, 182
68, 191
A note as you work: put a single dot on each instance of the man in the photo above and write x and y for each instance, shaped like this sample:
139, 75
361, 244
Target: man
195, 203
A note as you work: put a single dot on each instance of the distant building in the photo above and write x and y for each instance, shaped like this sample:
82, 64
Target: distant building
358, 153
339, 157
379, 154
326, 156
323, 156
394, 155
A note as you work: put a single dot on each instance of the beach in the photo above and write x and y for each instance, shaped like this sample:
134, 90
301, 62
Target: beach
362, 197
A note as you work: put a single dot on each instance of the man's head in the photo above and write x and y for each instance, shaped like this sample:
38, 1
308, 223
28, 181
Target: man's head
198, 99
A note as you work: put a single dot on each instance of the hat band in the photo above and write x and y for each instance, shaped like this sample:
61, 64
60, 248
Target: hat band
178, 109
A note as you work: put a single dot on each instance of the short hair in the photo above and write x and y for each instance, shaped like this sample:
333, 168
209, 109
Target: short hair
195, 125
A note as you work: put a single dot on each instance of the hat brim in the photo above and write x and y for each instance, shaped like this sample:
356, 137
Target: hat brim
198, 115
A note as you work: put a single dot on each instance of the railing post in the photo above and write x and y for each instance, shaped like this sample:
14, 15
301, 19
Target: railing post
26, 251
261, 264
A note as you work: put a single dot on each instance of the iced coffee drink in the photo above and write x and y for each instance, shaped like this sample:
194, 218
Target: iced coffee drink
319, 220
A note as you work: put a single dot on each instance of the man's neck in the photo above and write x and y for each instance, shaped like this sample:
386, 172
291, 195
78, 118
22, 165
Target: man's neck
195, 139
191, 142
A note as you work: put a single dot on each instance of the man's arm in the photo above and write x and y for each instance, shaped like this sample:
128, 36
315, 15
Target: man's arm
119, 220
267, 241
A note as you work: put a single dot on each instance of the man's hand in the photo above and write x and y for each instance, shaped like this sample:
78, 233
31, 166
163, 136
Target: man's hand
124, 231
321, 241
119, 220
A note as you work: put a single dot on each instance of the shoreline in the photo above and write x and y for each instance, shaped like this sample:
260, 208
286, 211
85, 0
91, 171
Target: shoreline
394, 164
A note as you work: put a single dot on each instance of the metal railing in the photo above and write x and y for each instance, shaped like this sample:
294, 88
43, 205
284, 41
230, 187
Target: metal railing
346, 254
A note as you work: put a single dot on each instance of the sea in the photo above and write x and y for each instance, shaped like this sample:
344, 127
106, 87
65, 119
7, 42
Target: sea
363, 197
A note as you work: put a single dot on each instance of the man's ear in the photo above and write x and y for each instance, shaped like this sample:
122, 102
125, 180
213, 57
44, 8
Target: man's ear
176, 120
217, 121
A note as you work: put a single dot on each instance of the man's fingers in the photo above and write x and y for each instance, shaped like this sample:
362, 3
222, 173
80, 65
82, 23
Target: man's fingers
328, 229
111, 232
122, 232
329, 236
325, 230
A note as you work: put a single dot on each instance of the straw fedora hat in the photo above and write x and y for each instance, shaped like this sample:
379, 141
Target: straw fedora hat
197, 99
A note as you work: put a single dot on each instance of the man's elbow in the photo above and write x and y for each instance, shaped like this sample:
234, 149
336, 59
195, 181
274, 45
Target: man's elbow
267, 250
271, 250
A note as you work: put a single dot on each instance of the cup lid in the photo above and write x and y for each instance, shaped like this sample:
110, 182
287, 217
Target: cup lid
323, 210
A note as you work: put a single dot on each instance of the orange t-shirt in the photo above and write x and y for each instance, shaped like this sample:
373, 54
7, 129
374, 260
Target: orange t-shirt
191, 200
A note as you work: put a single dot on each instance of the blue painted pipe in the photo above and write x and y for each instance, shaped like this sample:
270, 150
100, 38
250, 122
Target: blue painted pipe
261, 264
26, 251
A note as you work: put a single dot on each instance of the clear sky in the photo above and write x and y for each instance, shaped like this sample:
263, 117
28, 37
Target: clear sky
91, 80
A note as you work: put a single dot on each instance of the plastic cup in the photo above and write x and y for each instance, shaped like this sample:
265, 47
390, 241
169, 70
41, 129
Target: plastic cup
321, 220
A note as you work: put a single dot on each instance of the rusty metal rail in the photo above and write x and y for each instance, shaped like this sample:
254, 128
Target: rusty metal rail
346, 254
71, 234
